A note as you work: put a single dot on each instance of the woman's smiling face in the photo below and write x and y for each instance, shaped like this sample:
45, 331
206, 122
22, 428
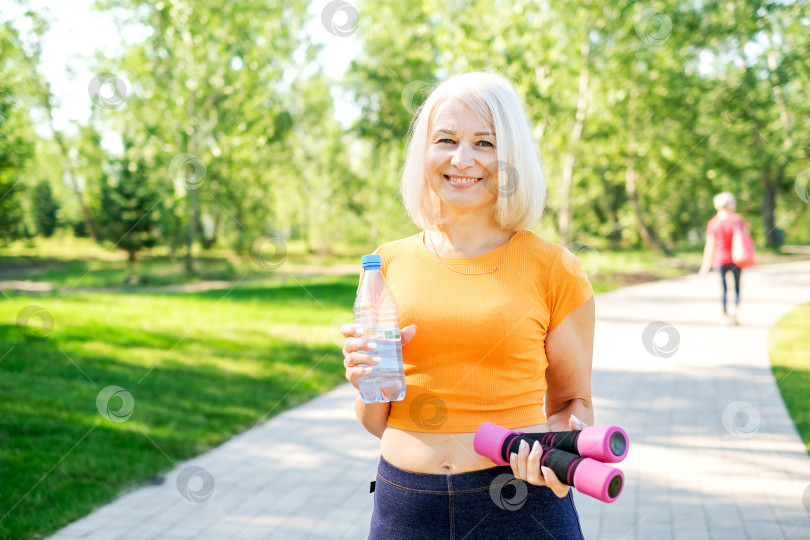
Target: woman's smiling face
460, 160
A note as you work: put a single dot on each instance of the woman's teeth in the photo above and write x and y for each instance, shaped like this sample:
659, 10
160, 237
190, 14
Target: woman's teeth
462, 180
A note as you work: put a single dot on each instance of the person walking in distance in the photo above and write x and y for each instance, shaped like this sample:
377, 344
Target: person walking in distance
718, 250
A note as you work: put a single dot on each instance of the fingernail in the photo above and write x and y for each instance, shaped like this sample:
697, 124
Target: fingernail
512, 456
535, 446
523, 444
375, 359
371, 345
358, 331
545, 470
367, 370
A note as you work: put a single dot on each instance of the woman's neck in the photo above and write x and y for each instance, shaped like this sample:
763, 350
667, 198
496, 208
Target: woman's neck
466, 239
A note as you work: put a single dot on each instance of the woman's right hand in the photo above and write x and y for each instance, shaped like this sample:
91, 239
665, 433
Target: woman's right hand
358, 364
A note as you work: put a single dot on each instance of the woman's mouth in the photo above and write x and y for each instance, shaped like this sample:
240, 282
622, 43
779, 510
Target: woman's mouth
462, 181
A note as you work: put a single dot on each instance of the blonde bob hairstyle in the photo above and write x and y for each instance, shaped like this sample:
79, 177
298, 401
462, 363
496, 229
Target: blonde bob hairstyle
520, 183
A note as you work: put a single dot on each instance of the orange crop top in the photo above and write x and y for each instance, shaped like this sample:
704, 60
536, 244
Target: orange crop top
479, 350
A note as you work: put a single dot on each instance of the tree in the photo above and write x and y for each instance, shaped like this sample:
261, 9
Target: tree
128, 203
45, 209
17, 137
389, 81
213, 98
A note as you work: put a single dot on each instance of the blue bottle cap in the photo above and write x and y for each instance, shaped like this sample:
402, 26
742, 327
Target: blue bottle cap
371, 261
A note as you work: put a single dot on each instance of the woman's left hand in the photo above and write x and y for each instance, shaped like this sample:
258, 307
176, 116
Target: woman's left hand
526, 464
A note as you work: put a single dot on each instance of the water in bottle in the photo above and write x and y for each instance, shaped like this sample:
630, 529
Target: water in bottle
377, 312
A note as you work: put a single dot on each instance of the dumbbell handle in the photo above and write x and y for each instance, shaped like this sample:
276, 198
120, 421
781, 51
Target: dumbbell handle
608, 444
587, 475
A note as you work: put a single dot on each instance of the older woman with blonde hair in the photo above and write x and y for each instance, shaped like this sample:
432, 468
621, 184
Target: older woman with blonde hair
498, 327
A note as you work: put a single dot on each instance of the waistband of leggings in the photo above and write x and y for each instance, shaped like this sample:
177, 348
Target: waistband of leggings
473, 480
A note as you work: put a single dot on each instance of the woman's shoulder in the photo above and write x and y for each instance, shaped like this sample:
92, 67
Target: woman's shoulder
398, 247
551, 257
540, 246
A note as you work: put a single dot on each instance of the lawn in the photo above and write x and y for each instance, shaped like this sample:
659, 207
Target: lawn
789, 350
200, 368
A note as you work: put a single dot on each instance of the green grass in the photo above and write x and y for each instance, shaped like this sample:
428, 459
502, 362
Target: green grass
200, 368
789, 350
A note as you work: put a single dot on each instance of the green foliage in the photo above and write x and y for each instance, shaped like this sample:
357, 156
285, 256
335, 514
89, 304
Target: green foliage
642, 114
127, 204
218, 95
657, 109
16, 131
45, 209
389, 80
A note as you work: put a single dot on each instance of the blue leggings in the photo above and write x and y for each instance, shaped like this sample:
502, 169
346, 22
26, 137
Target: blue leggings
736, 271
485, 504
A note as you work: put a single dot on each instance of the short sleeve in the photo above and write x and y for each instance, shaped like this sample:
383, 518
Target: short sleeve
710, 228
568, 287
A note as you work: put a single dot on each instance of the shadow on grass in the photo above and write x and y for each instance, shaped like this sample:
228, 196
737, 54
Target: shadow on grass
94, 272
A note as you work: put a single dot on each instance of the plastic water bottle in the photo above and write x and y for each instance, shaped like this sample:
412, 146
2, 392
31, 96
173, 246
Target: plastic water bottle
376, 310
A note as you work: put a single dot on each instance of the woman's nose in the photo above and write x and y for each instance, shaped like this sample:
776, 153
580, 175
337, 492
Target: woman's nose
462, 157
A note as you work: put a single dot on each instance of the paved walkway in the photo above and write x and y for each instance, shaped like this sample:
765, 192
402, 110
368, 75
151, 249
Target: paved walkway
713, 452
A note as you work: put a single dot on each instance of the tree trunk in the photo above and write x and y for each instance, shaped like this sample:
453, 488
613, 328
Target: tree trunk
647, 234
192, 219
190, 134
568, 158
63, 149
768, 206
769, 190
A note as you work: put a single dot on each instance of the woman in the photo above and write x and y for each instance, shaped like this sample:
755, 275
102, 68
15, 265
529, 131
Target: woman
498, 322
717, 252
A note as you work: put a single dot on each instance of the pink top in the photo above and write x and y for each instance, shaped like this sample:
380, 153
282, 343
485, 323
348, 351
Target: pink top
723, 231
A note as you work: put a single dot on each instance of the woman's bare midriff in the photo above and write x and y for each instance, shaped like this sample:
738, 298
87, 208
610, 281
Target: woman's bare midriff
437, 453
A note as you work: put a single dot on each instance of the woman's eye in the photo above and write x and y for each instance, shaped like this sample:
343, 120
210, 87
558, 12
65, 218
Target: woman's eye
487, 144
446, 141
